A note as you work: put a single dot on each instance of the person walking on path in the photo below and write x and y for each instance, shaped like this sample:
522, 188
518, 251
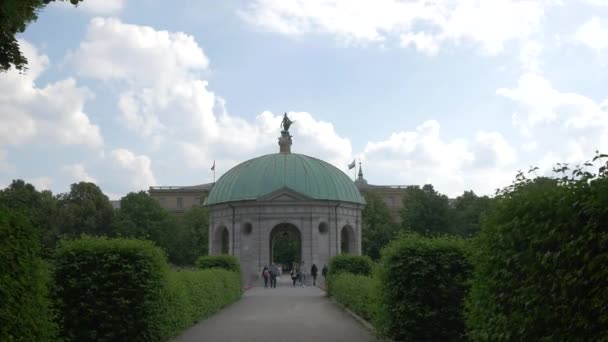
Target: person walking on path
294, 276
324, 271
273, 275
303, 274
280, 271
313, 273
265, 275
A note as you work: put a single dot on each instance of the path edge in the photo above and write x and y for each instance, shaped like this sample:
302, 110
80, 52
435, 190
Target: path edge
358, 318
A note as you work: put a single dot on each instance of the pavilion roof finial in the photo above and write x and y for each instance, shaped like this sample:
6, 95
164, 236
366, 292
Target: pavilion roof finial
285, 138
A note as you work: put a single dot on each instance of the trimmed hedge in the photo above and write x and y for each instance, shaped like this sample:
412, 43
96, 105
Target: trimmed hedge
540, 264
122, 290
422, 286
227, 262
111, 289
193, 295
355, 264
25, 313
356, 292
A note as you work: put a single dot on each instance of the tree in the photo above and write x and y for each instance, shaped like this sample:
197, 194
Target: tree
15, 15
467, 212
40, 207
184, 239
84, 210
195, 224
378, 226
425, 211
285, 250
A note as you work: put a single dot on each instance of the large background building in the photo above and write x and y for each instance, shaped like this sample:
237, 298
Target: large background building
177, 199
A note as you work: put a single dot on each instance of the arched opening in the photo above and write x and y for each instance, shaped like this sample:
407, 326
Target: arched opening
348, 243
221, 241
285, 246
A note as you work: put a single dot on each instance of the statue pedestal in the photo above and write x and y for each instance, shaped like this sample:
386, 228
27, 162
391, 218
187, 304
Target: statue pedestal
285, 142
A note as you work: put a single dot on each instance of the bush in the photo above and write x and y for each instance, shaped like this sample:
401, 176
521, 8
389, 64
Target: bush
422, 286
123, 290
356, 292
227, 262
25, 313
354, 264
206, 292
111, 290
540, 263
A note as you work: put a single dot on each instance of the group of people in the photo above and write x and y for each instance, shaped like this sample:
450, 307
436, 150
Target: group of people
297, 274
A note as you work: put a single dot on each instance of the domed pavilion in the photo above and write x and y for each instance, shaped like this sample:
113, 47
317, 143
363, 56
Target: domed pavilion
289, 194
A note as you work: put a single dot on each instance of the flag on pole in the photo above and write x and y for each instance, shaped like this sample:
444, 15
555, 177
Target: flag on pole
213, 167
351, 165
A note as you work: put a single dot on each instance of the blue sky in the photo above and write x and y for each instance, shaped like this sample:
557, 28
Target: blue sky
460, 94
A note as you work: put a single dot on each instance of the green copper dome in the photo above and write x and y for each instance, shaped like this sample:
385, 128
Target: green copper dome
263, 175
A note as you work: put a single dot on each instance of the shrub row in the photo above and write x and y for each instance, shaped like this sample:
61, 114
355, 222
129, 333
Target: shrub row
25, 313
540, 264
354, 264
193, 295
122, 290
226, 262
422, 286
417, 291
356, 292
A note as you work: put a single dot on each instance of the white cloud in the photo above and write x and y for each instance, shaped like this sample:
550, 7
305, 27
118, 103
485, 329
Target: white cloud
78, 173
53, 114
5, 165
423, 156
529, 56
567, 125
103, 7
172, 108
420, 22
140, 175
41, 183
594, 34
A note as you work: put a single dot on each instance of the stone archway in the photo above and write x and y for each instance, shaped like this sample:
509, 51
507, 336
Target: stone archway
221, 241
348, 241
285, 242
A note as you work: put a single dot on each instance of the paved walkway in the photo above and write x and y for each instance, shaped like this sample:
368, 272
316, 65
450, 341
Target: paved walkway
282, 314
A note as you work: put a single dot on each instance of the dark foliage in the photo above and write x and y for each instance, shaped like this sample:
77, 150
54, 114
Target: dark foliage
84, 210
110, 290
467, 212
540, 261
226, 262
425, 211
354, 264
378, 226
25, 310
422, 286
15, 15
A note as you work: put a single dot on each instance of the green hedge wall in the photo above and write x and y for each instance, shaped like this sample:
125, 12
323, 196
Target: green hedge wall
540, 264
354, 264
227, 262
25, 313
111, 289
356, 292
422, 286
123, 290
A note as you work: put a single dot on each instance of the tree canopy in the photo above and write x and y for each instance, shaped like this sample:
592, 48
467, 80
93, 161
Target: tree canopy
378, 226
15, 15
425, 211
84, 210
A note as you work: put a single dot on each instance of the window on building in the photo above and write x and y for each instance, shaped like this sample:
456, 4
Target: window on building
180, 203
162, 201
197, 200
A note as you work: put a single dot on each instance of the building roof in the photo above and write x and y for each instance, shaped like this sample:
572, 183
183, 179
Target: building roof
188, 188
305, 175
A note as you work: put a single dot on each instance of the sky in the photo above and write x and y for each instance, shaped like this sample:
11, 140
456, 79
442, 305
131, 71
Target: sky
460, 94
